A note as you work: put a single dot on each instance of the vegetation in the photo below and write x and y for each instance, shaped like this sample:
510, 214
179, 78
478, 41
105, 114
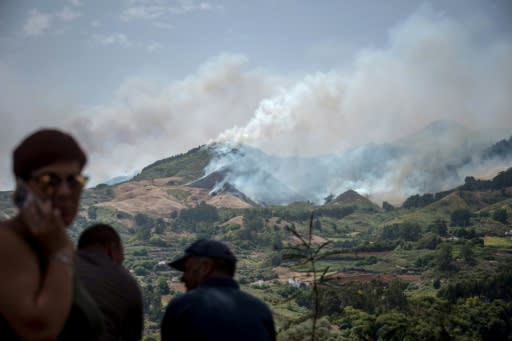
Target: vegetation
190, 166
435, 268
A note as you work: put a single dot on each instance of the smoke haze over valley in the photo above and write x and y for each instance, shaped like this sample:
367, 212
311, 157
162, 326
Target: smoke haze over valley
421, 163
408, 109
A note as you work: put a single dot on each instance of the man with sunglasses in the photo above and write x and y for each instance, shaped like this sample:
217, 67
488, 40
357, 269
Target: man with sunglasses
40, 296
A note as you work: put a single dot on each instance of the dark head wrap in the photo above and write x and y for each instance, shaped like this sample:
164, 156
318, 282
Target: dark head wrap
42, 148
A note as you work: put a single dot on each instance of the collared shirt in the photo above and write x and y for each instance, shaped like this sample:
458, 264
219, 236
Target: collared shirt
217, 310
115, 291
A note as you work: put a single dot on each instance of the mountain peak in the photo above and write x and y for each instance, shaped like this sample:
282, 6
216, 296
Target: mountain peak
351, 198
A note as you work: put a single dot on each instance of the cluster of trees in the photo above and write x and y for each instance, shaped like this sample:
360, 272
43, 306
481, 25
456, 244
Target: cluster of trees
418, 201
152, 294
190, 165
502, 149
500, 181
405, 231
358, 311
382, 311
496, 286
148, 228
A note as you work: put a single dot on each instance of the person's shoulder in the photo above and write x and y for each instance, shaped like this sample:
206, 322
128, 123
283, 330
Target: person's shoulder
4, 230
181, 301
128, 278
9, 240
125, 274
5, 227
125, 280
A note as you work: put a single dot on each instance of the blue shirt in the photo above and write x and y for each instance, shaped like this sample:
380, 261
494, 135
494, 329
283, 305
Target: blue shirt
217, 310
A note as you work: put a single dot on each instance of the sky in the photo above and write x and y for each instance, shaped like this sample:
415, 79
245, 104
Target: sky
140, 80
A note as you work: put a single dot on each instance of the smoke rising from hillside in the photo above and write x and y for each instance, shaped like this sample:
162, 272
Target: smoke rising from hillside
144, 121
431, 68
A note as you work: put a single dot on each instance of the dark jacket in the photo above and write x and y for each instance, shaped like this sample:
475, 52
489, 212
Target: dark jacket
115, 291
217, 310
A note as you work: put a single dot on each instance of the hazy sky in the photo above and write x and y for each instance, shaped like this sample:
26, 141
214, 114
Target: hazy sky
140, 80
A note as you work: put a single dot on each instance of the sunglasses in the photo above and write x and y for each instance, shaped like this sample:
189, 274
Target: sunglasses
49, 182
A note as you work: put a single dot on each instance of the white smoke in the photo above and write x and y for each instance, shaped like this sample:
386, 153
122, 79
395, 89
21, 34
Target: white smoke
431, 68
144, 121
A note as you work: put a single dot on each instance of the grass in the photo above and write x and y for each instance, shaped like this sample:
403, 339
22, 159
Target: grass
491, 241
189, 165
179, 194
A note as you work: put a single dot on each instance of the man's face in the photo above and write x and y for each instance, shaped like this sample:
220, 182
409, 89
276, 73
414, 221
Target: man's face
197, 269
62, 183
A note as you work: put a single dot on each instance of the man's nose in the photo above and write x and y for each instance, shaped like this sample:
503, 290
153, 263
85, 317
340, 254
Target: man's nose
63, 188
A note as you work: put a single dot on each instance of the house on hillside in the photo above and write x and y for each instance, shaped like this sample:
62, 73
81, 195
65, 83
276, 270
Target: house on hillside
294, 282
258, 284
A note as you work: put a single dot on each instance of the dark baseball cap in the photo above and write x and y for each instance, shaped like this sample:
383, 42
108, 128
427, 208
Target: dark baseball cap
204, 248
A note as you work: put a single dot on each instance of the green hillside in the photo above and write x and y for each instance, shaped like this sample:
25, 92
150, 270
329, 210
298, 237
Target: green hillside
438, 269
188, 166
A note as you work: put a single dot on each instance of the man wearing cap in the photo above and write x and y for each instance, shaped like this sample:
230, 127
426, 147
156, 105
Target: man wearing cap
214, 308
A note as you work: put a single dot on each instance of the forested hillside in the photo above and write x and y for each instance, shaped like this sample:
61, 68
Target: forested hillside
436, 267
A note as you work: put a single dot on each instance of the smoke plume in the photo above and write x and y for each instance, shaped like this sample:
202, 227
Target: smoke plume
322, 134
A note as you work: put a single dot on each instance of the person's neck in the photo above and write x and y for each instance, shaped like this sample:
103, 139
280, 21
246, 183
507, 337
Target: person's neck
101, 249
220, 275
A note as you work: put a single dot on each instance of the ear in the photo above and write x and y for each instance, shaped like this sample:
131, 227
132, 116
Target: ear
207, 268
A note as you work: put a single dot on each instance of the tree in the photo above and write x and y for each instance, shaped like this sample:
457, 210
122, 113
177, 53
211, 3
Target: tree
461, 217
500, 215
91, 212
486, 320
429, 241
152, 303
201, 213
159, 226
390, 232
410, 231
439, 227
392, 326
162, 286
358, 324
143, 220
318, 225
143, 232
309, 254
467, 253
387, 206
277, 242
276, 259
328, 199
394, 295
253, 221
444, 257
